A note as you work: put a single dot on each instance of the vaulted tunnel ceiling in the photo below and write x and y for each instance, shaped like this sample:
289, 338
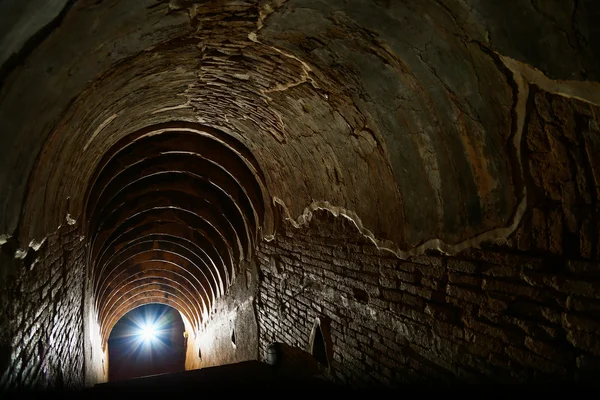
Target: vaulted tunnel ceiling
171, 211
170, 130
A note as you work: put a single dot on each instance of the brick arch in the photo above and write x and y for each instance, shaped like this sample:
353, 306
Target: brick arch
173, 208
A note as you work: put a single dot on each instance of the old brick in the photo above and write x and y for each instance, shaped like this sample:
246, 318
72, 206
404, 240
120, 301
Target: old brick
572, 321
588, 362
503, 333
442, 312
463, 266
533, 361
469, 295
388, 282
548, 350
487, 304
392, 295
580, 288
584, 305
580, 266
435, 284
460, 279
449, 330
510, 288
584, 341
416, 290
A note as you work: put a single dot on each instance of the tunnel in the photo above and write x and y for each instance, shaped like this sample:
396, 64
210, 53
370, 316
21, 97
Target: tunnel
378, 194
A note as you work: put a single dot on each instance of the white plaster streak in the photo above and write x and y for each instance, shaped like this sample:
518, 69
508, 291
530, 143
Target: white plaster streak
387, 245
285, 86
587, 91
306, 216
98, 130
187, 104
35, 245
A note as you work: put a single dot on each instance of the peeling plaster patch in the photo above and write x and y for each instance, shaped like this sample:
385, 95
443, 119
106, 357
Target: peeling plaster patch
33, 263
21, 254
98, 130
493, 235
176, 5
35, 245
70, 220
306, 216
524, 75
387, 245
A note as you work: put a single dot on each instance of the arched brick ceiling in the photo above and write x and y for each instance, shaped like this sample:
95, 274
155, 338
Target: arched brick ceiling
171, 210
169, 129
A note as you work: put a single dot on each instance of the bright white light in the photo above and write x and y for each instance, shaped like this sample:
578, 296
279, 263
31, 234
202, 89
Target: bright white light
148, 332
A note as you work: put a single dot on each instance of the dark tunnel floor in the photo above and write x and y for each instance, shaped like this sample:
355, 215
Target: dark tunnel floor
253, 377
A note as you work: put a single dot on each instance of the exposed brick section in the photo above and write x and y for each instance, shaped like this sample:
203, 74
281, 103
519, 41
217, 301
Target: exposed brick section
41, 315
234, 315
486, 316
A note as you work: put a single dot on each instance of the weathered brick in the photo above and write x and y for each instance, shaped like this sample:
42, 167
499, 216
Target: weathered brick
442, 312
51, 308
485, 315
463, 266
549, 350
510, 288
461, 279
571, 321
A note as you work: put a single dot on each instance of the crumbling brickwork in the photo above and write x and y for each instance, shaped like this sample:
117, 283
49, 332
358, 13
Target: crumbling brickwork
41, 314
484, 316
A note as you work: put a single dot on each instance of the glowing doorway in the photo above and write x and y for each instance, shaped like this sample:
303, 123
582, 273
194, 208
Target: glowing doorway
148, 340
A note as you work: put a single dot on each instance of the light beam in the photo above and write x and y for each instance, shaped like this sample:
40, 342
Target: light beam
148, 332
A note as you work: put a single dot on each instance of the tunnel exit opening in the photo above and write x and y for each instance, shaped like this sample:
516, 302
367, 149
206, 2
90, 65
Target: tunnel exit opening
148, 340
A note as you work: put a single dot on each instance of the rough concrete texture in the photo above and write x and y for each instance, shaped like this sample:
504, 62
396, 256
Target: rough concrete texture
182, 138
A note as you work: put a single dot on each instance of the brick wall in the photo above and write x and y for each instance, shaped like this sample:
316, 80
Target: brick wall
485, 316
41, 314
233, 316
